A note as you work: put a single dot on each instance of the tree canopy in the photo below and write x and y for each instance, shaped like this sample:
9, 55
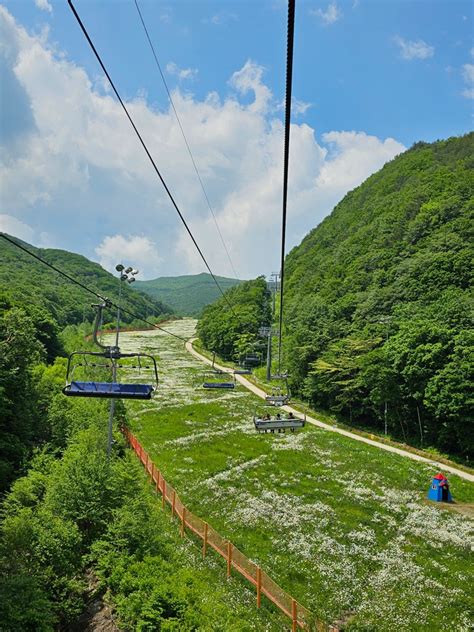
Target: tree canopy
379, 305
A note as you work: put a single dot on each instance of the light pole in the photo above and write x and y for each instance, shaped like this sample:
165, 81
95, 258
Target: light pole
125, 275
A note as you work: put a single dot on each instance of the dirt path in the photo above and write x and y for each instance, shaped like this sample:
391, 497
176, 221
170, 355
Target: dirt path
316, 422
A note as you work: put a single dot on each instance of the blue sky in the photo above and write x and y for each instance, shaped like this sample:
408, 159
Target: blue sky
370, 78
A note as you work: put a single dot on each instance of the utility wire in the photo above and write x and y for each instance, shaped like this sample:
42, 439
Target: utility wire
88, 289
86, 35
184, 137
289, 76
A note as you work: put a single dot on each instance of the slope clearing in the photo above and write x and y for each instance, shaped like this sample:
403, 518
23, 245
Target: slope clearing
341, 525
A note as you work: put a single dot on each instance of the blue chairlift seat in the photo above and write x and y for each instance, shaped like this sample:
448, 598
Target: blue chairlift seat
218, 385
242, 372
109, 390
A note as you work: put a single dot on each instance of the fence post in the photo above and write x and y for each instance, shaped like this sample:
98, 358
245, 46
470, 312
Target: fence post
173, 503
163, 487
229, 558
158, 480
259, 586
294, 615
204, 541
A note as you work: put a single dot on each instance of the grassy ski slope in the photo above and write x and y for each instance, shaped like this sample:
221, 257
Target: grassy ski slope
342, 526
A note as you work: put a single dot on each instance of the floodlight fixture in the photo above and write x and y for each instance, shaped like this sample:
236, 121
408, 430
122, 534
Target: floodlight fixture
128, 270
124, 277
119, 267
135, 272
131, 280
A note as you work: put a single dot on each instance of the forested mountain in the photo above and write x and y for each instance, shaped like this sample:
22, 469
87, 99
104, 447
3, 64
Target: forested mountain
36, 303
378, 300
24, 279
186, 294
230, 325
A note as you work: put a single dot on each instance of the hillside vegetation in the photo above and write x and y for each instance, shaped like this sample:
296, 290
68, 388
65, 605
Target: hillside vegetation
75, 526
187, 294
342, 526
36, 304
27, 281
230, 326
379, 303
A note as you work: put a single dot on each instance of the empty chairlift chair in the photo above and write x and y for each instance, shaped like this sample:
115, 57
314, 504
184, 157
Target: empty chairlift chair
214, 381
114, 389
109, 358
224, 384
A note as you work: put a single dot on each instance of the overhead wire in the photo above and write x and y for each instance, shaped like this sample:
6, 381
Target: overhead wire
184, 136
88, 289
289, 78
150, 157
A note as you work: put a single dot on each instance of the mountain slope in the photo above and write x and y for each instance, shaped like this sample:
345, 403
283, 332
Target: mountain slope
378, 300
187, 294
27, 281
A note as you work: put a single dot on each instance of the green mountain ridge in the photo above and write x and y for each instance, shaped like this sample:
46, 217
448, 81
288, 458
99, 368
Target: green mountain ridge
25, 280
378, 301
186, 294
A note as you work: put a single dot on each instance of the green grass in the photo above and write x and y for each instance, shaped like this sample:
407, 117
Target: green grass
218, 603
342, 526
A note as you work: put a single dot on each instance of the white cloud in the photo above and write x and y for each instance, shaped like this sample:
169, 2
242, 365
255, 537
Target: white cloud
44, 5
17, 228
332, 13
135, 250
299, 107
468, 73
166, 15
218, 19
249, 79
468, 76
80, 176
417, 49
181, 73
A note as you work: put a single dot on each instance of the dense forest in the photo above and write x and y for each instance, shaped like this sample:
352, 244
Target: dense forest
230, 326
32, 334
379, 306
188, 294
77, 529
68, 304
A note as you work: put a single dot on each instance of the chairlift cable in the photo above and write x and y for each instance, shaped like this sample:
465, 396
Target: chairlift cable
157, 171
88, 289
289, 76
184, 137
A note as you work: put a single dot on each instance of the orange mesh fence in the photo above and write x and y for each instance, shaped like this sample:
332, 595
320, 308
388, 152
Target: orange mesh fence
276, 594
301, 617
195, 524
178, 507
217, 542
245, 567
169, 491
